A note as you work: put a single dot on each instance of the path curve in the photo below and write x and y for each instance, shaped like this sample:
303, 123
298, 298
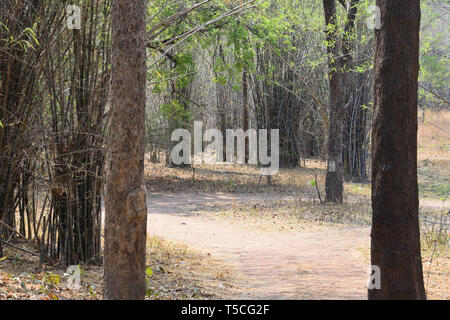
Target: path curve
323, 262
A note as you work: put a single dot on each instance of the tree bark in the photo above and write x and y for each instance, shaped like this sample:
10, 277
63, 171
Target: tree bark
335, 171
126, 211
395, 223
338, 75
245, 109
222, 102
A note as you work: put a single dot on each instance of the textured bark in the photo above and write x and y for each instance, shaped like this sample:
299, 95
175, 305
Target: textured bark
338, 75
245, 109
334, 178
395, 224
126, 211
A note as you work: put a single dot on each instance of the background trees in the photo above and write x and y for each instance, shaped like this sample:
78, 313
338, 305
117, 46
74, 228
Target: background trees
19, 97
340, 59
54, 84
76, 65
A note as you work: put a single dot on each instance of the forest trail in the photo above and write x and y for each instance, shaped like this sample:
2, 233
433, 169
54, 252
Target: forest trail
317, 262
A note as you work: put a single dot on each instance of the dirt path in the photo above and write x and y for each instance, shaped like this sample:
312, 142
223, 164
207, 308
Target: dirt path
311, 263
434, 204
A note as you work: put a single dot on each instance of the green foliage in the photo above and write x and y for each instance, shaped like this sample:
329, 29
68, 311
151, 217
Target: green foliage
26, 39
149, 292
149, 272
49, 280
312, 183
175, 111
434, 58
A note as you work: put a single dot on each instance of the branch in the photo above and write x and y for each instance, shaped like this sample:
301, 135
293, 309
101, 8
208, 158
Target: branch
317, 188
349, 26
173, 17
166, 54
188, 34
19, 248
435, 94
344, 4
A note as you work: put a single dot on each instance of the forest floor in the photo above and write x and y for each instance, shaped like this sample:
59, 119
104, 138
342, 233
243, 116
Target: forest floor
221, 232
280, 247
272, 257
279, 241
237, 246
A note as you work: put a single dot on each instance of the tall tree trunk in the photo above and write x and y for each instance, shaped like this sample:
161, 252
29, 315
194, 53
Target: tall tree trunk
334, 178
335, 170
338, 75
245, 109
126, 210
395, 224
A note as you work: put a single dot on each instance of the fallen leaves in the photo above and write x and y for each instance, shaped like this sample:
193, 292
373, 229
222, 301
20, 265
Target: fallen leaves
173, 272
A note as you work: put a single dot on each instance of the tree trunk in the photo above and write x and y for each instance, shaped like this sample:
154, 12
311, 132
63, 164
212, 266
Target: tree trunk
339, 65
334, 178
126, 210
221, 103
245, 109
395, 233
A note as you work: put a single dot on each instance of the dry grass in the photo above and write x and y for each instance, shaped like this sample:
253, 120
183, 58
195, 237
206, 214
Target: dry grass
436, 278
177, 273
433, 155
247, 179
434, 136
22, 277
435, 272
434, 179
227, 178
435, 253
287, 214
182, 273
